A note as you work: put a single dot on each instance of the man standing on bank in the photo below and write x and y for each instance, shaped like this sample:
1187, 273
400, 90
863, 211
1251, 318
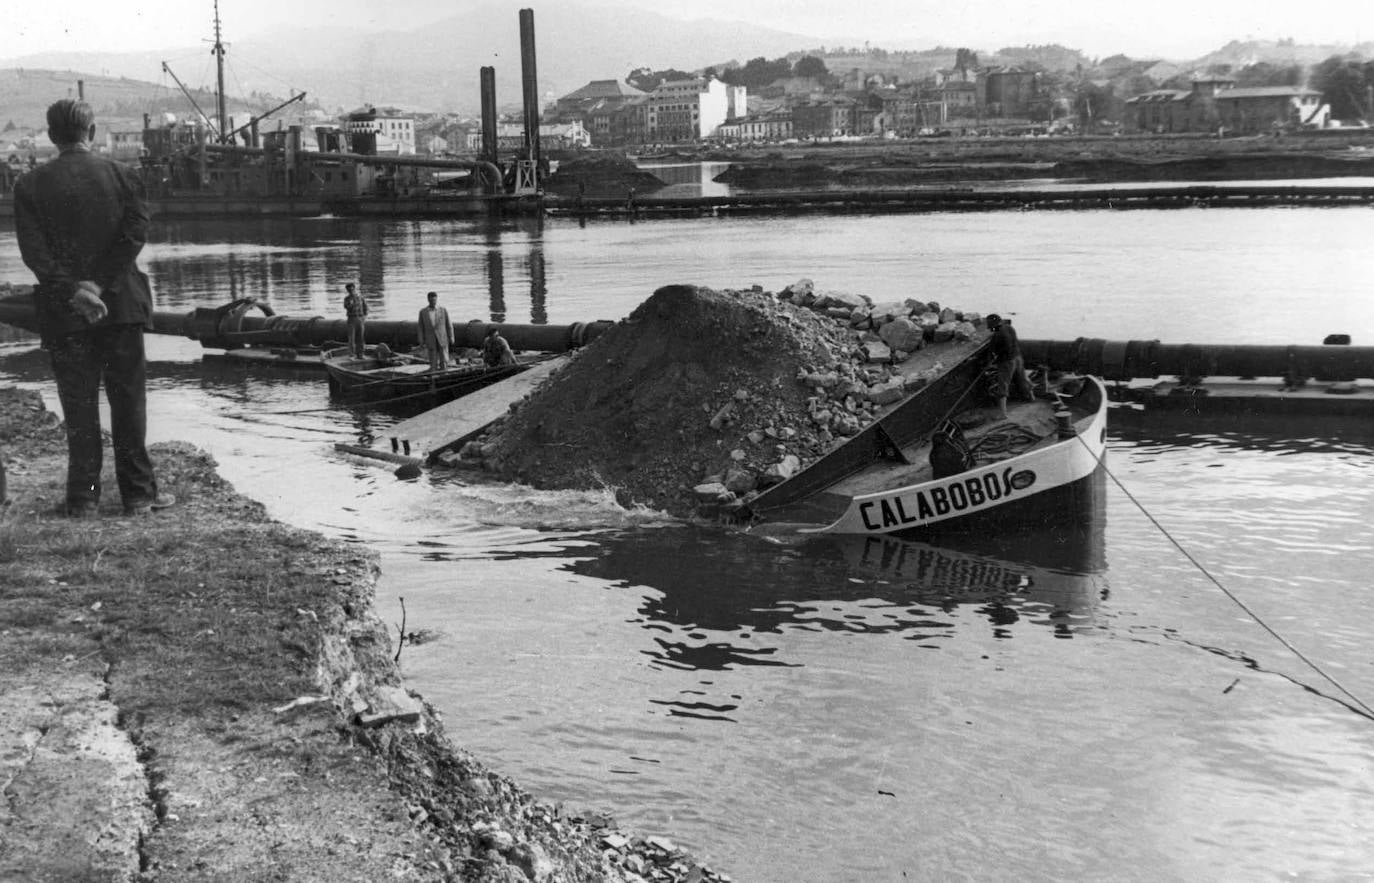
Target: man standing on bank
436, 334
81, 221
1011, 368
355, 308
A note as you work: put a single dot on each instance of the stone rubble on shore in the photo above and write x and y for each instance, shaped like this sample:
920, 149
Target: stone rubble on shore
700, 399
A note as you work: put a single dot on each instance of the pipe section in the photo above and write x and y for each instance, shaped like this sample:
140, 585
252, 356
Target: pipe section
1123, 360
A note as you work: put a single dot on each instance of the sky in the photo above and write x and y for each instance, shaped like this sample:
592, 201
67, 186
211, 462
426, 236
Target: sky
1178, 29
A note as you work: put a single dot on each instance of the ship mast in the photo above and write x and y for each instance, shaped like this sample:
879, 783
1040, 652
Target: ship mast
219, 72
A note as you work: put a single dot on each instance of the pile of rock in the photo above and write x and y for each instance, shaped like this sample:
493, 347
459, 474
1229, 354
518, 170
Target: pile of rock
701, 399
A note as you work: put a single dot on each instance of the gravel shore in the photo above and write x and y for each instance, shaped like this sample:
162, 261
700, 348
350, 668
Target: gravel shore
206, 694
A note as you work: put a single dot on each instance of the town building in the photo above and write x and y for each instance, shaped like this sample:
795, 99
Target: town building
1214, 103
1267, 108
611, 93
552, 136
834, 117
959, 98
373, 130
124, 146
678, 111
910, 112
1010, 92
772, 126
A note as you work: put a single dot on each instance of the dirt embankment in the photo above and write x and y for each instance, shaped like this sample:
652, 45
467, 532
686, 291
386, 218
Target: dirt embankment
700, 399
207, 694
1100, 159
600, 175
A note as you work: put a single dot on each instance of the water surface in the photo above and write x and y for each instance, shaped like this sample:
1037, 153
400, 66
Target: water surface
1063, 706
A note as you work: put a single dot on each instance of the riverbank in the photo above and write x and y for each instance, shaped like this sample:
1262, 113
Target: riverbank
1088, 160
990, 158
209, 693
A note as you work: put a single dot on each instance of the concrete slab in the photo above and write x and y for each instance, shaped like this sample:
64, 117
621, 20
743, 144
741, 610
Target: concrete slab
76, 796
457, 421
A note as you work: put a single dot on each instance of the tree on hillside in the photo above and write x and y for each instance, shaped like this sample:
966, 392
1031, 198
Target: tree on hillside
964, 61
647, 79
810, 66
758, 72
1346, 83
1093, 103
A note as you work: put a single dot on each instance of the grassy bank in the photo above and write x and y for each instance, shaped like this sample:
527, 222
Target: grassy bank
242, 663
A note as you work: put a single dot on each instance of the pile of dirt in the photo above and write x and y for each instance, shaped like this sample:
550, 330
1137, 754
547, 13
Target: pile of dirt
700, 398
600, 175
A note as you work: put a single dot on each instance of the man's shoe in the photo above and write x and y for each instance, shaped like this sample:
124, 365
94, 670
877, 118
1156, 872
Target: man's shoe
83, 509
147, 507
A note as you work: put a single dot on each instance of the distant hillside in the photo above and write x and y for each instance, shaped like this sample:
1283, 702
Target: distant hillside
119, 102
437, 67
1241, 53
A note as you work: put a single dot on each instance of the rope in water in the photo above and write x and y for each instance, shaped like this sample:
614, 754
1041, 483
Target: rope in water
1359, 705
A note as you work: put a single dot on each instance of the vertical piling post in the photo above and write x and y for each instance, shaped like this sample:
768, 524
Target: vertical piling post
488, 87
530, 84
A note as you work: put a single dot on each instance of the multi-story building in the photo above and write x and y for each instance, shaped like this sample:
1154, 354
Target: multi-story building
381, 130
124, 146
909, 112
604, 92
552, 136
1214, 103
1266, 108
825, 119
959, 98
773, 126
1010, 92
688, 110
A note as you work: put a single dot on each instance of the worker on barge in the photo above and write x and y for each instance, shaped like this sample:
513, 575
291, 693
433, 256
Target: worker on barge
496, 350
1011, 368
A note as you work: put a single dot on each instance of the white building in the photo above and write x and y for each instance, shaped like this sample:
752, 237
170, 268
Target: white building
552, 136
689, 110
394, 132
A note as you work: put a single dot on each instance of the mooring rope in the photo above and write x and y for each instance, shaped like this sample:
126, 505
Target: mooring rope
1359, 705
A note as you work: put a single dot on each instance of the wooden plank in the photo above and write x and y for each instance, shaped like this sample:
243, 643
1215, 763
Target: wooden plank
457, 421
374, 454
275, 357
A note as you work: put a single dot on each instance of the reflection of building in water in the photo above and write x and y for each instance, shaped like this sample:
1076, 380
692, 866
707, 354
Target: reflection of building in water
369, 270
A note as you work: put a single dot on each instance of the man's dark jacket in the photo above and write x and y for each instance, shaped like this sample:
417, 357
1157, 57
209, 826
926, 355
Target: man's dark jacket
83, 216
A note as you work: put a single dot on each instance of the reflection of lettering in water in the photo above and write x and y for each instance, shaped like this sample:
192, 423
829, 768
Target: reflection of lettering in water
928, 566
